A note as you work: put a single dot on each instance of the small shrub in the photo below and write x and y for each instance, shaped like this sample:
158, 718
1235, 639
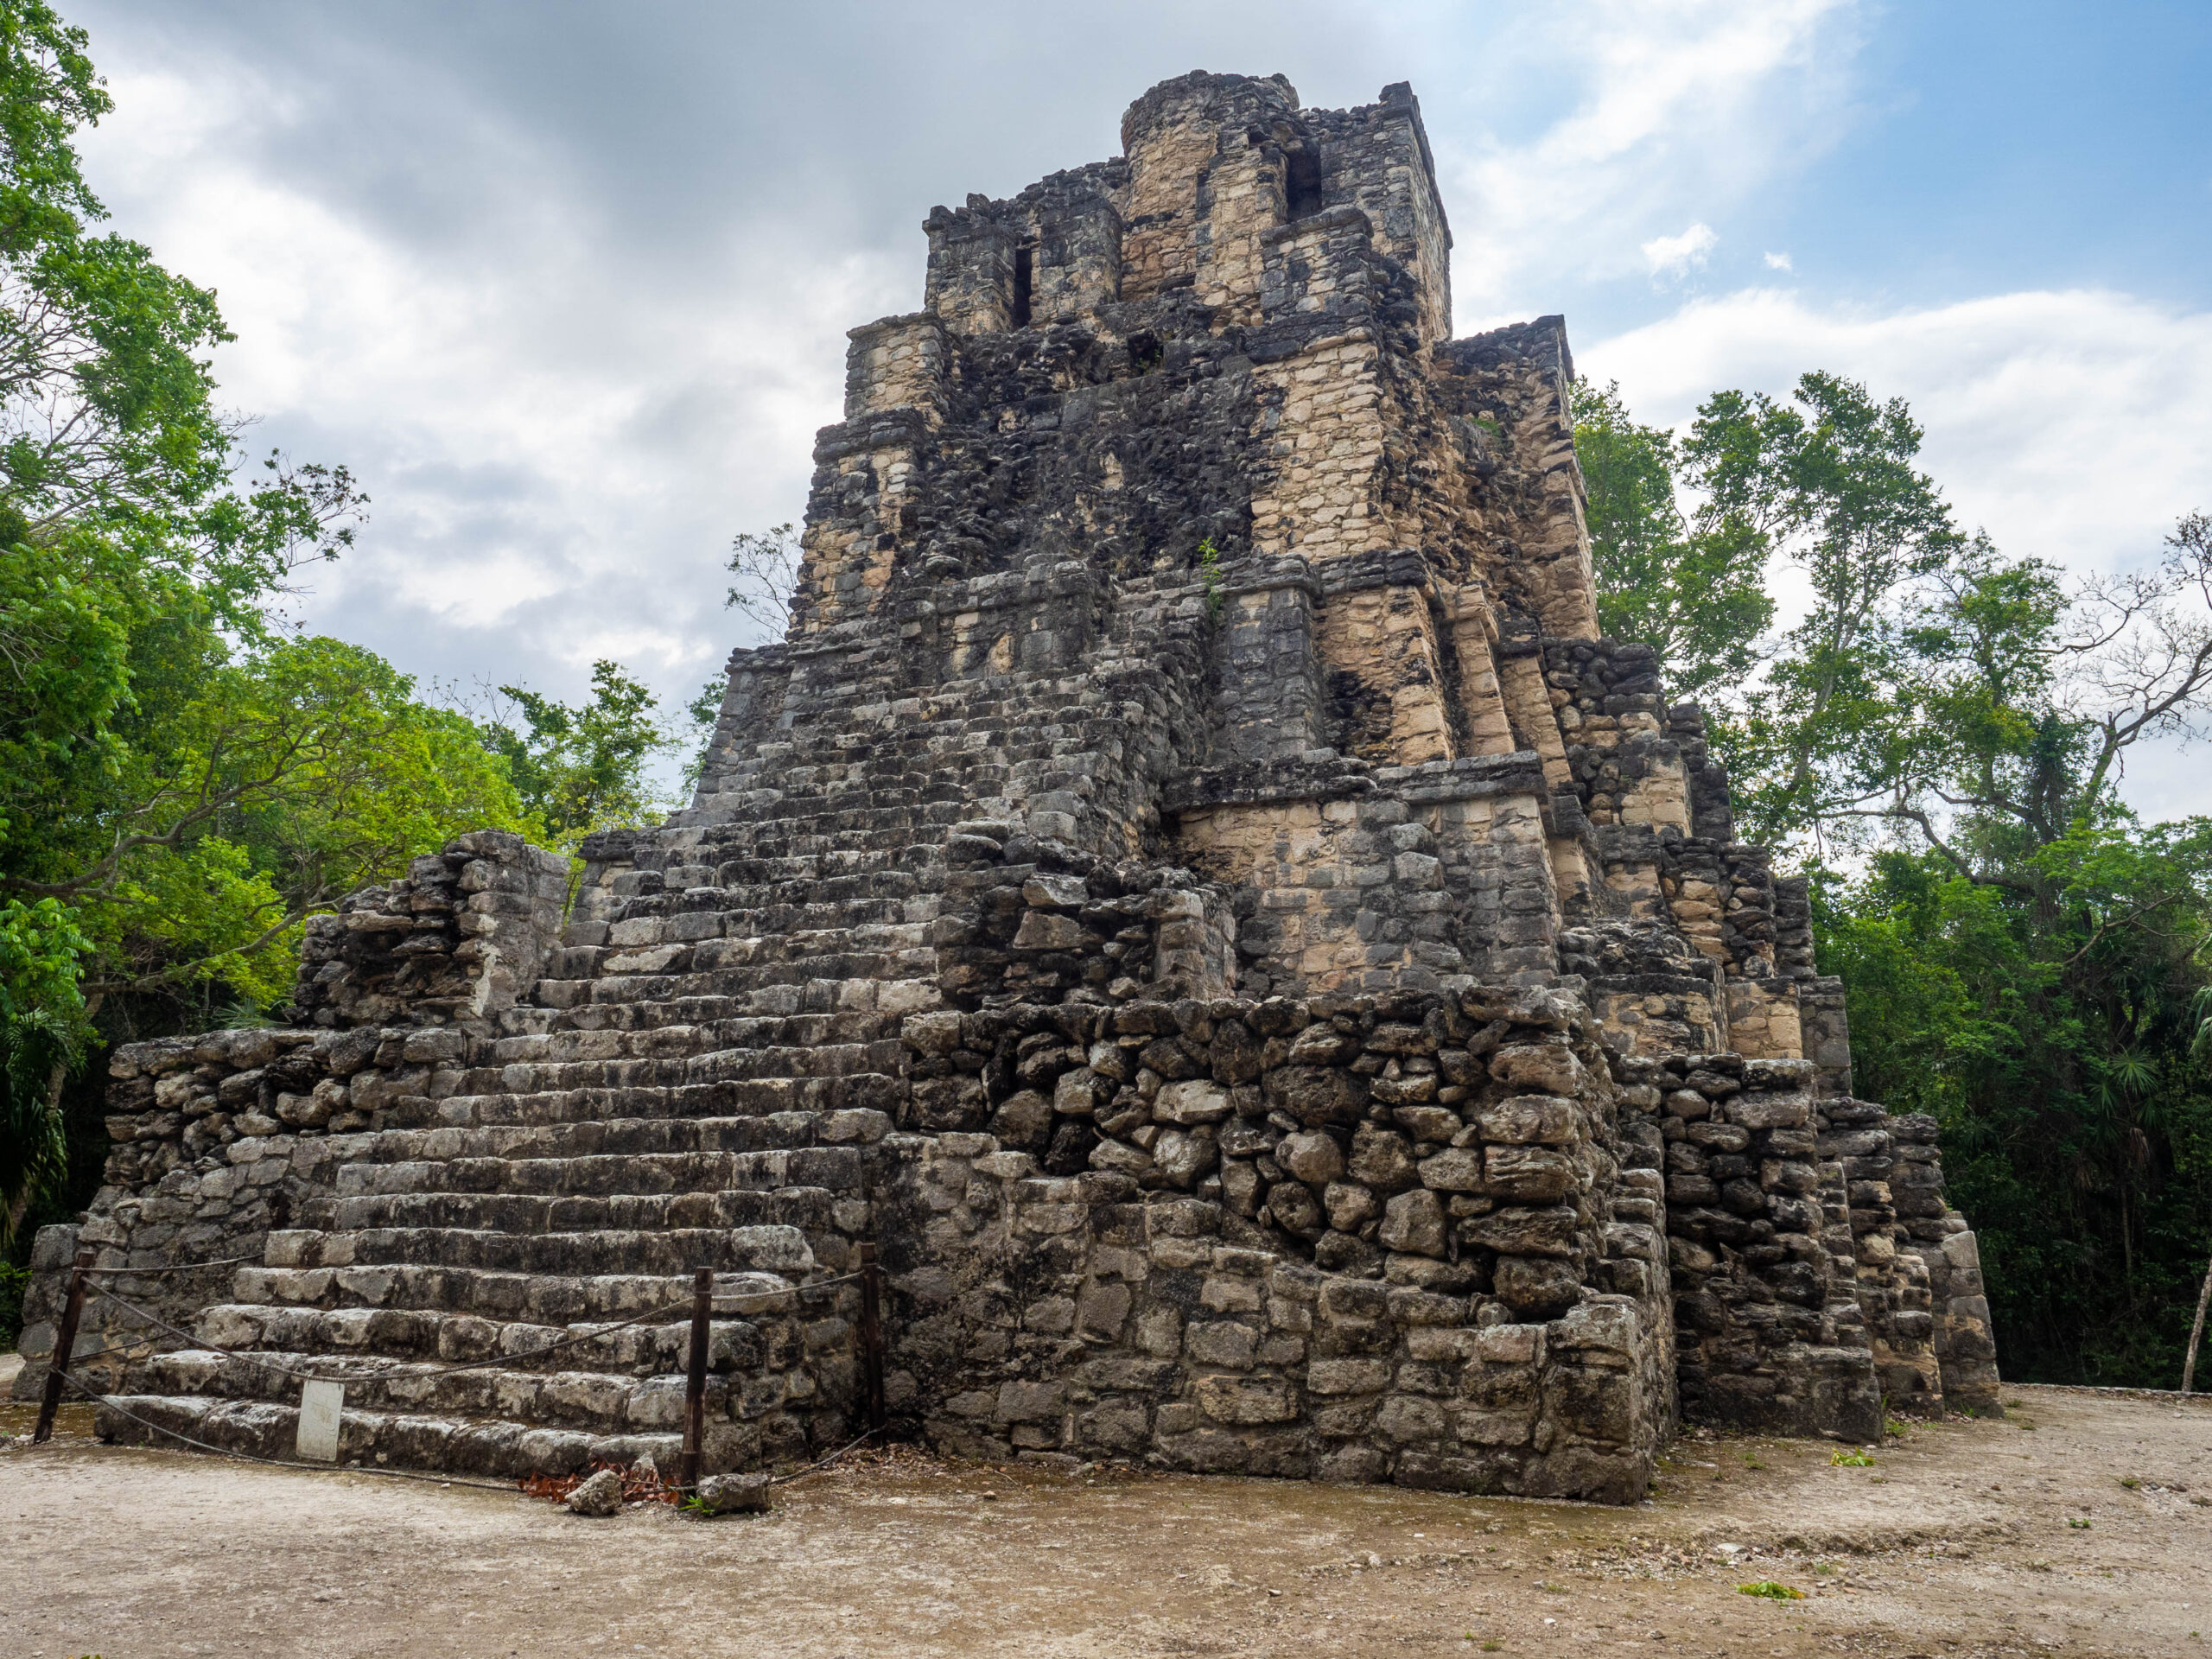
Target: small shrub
1770, 1590
2080, 1523
1851, 1458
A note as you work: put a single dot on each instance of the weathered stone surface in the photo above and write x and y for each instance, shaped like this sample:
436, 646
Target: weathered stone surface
732, 1493
599, 1496
1193, 891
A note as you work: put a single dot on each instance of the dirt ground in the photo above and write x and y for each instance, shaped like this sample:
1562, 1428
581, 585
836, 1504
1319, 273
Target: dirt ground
1961, 1538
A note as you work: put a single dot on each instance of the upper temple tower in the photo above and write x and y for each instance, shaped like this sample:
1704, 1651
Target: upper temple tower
1179, 464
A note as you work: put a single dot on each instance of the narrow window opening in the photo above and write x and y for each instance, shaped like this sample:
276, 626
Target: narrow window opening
1024, 256
1302, 185
1144, 352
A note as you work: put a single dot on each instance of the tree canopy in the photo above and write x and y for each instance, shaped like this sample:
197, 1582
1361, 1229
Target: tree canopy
1938, 740
184, 778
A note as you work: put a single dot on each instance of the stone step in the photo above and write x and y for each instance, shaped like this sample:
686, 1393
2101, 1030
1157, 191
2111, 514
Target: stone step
421, 1335
556, 1297
732, 950
823, 1060
489, 1213
485, 1446
601, 1403
735, 1097
742, 981
777, 1132
670, 1236
681, 1038
865, 920
604, 1174
755, 988
815, 1000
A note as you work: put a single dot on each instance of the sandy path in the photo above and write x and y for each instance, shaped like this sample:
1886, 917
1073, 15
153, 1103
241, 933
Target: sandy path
1956, 1543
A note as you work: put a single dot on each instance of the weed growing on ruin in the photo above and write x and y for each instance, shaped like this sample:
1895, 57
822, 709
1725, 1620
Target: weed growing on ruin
2080, 1523
2130, 1482
1210, 574
1850, 1458
1771, 1590
1752, 1460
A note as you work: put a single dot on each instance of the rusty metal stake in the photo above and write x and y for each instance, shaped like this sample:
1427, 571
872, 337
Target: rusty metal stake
695, 1382
872, 1334
65, 1346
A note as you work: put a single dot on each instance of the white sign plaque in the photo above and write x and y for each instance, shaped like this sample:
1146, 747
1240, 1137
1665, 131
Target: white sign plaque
320, 1403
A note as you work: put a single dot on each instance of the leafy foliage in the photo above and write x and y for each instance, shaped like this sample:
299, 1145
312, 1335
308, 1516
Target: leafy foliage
2049, 1032
584, 768
1693, 590
1938, 739
182, 778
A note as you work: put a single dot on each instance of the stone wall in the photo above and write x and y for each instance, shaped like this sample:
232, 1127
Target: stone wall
462, 936
1369, 1239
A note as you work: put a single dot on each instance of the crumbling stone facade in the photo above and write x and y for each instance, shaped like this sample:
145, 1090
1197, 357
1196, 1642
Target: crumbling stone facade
1193, 887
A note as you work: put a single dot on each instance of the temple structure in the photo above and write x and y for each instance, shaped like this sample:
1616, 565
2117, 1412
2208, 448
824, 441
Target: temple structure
1194, 888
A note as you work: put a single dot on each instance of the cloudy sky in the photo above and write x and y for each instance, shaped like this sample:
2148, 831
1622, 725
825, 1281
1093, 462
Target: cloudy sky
566, 285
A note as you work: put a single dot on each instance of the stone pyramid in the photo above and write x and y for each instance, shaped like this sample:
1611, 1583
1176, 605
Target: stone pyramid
1193, 887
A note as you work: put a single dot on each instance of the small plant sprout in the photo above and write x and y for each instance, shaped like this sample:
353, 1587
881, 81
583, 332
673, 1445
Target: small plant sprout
1210, 574
1770, 1590
1854, 1458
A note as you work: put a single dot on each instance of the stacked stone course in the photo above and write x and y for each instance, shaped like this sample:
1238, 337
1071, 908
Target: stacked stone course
1193, 887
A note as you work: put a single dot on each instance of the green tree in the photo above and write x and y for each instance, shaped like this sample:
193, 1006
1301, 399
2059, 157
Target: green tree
587, 766
1693, 588
182, 780
2022, 957
2048, 1026
1830, 479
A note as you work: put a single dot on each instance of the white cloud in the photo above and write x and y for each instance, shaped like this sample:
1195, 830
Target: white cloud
537, 419
1672, 256
2075, 425
1674, 106
1779, 261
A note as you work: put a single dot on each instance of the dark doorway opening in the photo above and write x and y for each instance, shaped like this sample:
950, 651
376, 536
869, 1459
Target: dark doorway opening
1024, 269
1302, 185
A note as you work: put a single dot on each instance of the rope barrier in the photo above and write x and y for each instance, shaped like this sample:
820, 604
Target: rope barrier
186, 1267
701, 1303
797, 1474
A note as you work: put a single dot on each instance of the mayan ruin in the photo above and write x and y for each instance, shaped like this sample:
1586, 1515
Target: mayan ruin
1194, 898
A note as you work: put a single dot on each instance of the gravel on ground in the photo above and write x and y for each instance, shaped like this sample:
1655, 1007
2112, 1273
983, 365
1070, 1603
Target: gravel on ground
2079, 1524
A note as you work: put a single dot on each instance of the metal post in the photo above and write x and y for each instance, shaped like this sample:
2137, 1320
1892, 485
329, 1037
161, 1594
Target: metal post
695, 1383
65, 1346
872, 1334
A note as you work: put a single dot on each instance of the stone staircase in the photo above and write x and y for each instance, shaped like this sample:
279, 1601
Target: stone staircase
693, 1081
